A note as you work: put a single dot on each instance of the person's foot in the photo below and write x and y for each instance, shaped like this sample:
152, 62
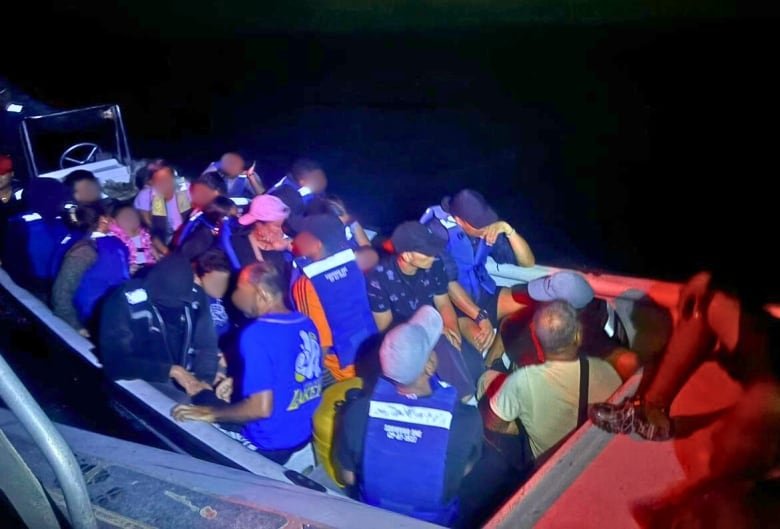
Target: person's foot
631, 416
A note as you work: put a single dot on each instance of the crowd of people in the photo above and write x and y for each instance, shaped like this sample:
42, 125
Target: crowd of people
426, 388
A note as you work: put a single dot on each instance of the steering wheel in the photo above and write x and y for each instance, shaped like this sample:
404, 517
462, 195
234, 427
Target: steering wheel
90, 149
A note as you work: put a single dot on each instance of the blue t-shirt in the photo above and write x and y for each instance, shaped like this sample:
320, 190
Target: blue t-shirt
281, 353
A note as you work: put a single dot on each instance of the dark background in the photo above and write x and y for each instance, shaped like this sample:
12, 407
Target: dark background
636, 137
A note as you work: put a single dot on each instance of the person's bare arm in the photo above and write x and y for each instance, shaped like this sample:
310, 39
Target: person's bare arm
360, 234
447, 311
347, 477
522, 250
383, 320
257, 406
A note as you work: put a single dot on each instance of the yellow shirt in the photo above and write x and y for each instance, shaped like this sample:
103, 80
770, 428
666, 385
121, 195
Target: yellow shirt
545, 398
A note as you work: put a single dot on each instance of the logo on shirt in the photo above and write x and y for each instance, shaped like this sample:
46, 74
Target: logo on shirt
308, 369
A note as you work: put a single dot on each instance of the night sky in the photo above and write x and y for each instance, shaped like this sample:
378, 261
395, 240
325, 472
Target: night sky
613, 135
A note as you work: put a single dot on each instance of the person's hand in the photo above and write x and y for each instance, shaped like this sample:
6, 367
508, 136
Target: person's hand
492, 231
224, 389
85, 333
485, 336
188, 412
134, 268
187, 380
453, 337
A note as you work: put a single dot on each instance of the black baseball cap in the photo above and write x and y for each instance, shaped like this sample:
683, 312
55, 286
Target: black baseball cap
327, 228
470, 206
412, 236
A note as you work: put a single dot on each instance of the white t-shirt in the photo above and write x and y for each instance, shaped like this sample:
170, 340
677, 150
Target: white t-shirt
546, 398
143, 202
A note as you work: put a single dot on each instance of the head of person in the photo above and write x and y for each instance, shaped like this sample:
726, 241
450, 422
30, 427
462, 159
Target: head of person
205, 188
83, 186
319, 236
127, 218
416, 245
406, 354
170, 282
292, 200
219, 208
308, 173
558, 330
328, 205
91, 218
471, 211
562, 286
212, 271
6, 171
266, 214
162, 178
232, 164
367, 258
260, 290
45, 196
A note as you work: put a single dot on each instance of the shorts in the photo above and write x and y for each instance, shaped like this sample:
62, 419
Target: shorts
488, 302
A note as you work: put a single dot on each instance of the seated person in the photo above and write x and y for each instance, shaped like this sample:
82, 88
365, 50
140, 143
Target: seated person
545, 397
207, 228
33, 235
474, 232
10, 198
333, 205
212, 274
260, 237
593, 314
306, 177
159, 329
412, 466
281, 369
163, 208
331, 290
84, 187
204, 189
90, 269
241, 182
126, 225
410, 278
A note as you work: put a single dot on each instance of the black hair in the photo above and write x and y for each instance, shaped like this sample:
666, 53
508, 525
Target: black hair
302, 166
145, 173
87, 216
266, 275
74, 177
118, 205
212, 180
212, 260
326, 205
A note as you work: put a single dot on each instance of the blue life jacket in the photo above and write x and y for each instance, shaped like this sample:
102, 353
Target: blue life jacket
341, 287
223, 237
472, 273
30, 244
65, 244
239, 186
305, 192
109, 270
405, 452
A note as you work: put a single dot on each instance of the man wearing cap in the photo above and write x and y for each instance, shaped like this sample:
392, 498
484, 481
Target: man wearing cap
474, 232
331, 290
600, 327
408, 445
10, 201
259, 235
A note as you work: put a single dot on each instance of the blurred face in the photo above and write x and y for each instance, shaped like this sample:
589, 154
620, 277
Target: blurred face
215, 283
367, 259
315, 180
418, 260
307, 245
5, 180
232, 165
129, 220
245, 298
202, 195
164, 182
86, 191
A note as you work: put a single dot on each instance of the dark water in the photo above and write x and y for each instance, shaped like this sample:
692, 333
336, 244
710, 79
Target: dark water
634, 147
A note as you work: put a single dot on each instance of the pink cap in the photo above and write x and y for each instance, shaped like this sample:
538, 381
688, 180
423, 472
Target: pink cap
265, 208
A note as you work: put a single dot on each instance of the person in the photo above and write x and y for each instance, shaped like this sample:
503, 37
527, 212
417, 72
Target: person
407, 445
306, 177
212, 274
331, 290
163, 207
260, 237
333, 205
83, 186
281, 369
205, 188
241, 183
159, 329
33, 235
474, 232
599, 326
412, 277
545, 397
10, 198
90, 269
211, 227
126, 226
